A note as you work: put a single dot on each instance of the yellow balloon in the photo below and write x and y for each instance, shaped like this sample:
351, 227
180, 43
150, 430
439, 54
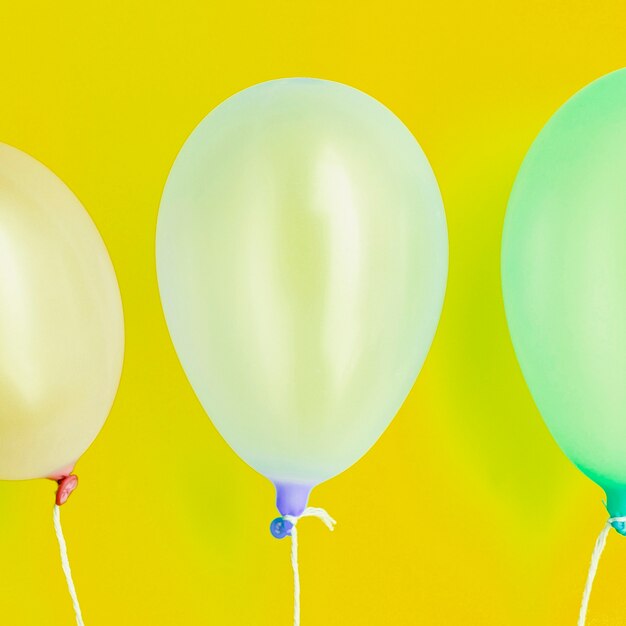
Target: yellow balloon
61, 322
302, 257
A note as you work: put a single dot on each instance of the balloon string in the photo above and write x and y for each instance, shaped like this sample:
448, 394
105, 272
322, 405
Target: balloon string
593, 567
66, 565
311, 511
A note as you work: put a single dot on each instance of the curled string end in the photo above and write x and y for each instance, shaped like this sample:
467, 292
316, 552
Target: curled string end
314, 511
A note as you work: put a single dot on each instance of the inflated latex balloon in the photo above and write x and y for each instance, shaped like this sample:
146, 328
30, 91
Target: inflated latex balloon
564, 280
61, 331
302, 259
61, 325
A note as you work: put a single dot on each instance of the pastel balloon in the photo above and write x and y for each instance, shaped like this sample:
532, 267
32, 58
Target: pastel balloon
564, 280
61, 325
302, 259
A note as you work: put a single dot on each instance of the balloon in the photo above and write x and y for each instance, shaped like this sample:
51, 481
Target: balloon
564, 280
61, 325
302, 260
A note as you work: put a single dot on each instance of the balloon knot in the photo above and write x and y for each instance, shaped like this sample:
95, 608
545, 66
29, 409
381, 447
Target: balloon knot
66, 486
280, 528
619, 524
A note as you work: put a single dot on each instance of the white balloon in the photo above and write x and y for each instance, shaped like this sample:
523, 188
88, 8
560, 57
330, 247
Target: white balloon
302, 258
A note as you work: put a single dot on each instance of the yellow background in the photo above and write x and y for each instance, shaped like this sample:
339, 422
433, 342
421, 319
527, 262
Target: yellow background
465, 511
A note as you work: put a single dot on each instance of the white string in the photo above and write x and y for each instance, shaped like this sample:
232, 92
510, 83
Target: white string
66, 565
310, 511
593, 566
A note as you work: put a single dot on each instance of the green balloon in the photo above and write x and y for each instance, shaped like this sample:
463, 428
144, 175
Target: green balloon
564, 280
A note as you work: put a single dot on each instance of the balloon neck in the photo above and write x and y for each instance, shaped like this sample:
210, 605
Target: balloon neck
66, 483
292, 498
616, 506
